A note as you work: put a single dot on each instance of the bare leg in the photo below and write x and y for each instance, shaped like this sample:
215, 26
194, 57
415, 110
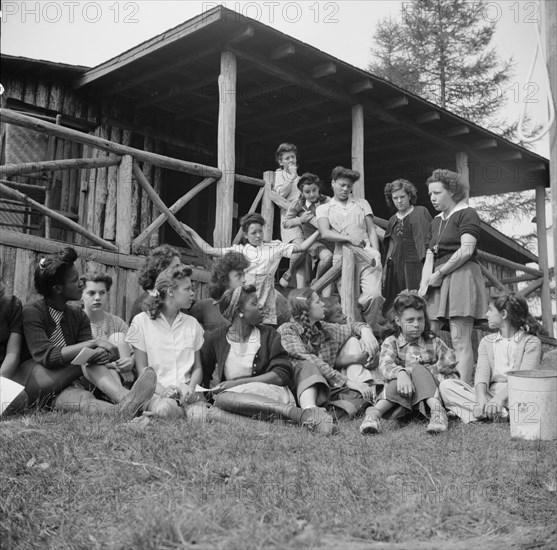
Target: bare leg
295, 262
308, 398
325, 262
103, 378
461, 338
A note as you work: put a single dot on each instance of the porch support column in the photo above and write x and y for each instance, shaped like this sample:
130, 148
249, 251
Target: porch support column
547, 317
222, 235
358, 149
124, 205
463, 170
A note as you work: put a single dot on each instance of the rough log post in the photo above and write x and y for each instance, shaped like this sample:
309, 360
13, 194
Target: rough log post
146, 204
267, 206
549, 19
124, 205
222, 234
109, 231
101, 191
543, 261
463, 170
327, 278
529, 289
50, 155
16, 195
358, 149
491, 278
347, 284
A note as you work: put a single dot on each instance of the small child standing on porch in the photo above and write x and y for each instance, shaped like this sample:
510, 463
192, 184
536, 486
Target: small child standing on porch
412, 362
301, 214
513, 347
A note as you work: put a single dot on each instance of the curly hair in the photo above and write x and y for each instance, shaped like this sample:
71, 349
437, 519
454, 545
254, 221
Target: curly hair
341, 172
451, 182
158, 259
398, 185
231, 261
309, 179
286, 148
517, 310
167, 280
405, 300
97, 277
52, 270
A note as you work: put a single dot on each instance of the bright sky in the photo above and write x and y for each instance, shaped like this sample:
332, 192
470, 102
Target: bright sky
90, 32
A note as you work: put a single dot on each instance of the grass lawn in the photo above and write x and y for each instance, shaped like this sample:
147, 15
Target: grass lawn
72, 482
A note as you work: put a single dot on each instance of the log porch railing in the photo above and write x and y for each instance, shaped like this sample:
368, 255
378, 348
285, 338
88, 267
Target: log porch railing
126, 159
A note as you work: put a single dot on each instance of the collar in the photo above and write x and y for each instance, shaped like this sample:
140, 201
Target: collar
462, 205
402, 341
401, 217
516, 338
351, 200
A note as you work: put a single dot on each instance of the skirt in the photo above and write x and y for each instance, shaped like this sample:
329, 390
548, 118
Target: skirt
425, 386
282, 394
461, 294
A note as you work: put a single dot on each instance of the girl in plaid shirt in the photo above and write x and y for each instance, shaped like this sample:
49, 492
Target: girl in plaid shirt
412, 361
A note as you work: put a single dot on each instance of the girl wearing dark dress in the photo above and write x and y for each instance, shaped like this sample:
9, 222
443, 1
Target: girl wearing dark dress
452, 278
56, 333
404, 241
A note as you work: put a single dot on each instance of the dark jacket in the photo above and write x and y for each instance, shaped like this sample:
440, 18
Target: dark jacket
420, 219
38, 326
271, 356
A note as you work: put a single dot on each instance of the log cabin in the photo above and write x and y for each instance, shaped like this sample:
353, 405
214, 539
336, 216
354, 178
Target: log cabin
183, 127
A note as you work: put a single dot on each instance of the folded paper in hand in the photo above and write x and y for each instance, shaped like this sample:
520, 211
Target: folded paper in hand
83, 356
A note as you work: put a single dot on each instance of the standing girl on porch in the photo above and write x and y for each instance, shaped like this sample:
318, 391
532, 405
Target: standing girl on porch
56, 333
404, 241
164, 337
264, 258
513, 347
451, 278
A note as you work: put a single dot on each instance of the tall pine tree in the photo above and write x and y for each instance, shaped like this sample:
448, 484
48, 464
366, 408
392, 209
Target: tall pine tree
440, 50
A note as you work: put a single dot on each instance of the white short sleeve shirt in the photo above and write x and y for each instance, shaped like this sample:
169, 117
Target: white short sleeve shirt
170, 349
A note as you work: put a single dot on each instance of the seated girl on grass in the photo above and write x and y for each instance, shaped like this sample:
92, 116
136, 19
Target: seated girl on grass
252, 371
170, 341
106, 326
56, 333
352, 359
513, 347
314, 344
264, 258
412, 362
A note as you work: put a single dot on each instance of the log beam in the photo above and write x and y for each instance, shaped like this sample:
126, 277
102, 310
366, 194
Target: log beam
283, 51
21, 197
54, 165
79, 137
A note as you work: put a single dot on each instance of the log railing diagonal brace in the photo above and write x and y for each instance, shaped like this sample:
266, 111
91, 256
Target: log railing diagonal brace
176, 207
158, 202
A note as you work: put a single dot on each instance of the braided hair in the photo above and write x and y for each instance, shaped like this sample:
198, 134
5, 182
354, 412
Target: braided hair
299, 302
